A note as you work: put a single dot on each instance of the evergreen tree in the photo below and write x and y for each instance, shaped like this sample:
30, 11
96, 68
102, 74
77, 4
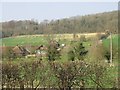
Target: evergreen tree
71, 55
53, 53
80, 51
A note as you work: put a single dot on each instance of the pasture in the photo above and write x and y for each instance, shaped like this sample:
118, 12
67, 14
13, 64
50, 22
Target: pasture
13, 41
36, 40
115, 39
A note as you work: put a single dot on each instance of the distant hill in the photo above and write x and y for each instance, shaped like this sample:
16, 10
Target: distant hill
78, 24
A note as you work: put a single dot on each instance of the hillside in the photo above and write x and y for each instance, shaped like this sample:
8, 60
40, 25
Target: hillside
78, 24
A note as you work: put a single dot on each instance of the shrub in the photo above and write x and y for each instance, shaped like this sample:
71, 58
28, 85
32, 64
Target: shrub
80, 51
53, 53
71, 55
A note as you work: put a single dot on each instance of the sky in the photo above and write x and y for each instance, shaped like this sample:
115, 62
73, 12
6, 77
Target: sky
59, 0
51, 10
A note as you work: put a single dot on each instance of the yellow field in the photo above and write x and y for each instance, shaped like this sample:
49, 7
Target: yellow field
62, 36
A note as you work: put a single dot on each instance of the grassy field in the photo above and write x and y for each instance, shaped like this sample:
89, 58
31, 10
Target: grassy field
38, 40
28, 40
13, 41
115, 39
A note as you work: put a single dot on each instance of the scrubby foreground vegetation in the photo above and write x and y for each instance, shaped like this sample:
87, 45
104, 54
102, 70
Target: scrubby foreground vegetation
61, 75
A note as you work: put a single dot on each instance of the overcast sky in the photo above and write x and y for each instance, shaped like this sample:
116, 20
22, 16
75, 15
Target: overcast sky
52, 10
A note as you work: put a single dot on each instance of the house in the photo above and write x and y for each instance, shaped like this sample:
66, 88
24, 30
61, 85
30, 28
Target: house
20, 51
41, 51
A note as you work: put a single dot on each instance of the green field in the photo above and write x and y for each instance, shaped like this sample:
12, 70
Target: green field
13, 41
38, 40
28, 40
115, 39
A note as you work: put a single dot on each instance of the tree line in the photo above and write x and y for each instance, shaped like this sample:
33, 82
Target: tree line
78, 24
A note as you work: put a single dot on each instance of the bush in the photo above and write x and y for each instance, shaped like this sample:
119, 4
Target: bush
10, 75
70, 74
80, 51
43, 74
8, 53
53, 53
71, 55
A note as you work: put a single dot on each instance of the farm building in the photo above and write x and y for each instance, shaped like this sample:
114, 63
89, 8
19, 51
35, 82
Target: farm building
20, 51
41, 51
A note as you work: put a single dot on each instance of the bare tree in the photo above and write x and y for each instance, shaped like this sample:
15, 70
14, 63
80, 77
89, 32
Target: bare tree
70, 74
10, 75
